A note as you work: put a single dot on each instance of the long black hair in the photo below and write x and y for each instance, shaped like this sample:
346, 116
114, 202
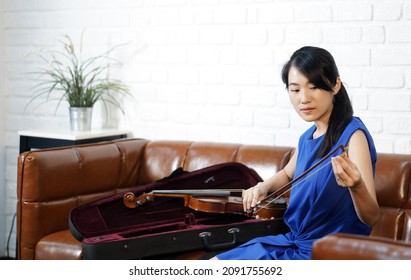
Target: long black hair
319, 67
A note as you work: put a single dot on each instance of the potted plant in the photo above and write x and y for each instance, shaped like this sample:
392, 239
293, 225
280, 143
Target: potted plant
80, 82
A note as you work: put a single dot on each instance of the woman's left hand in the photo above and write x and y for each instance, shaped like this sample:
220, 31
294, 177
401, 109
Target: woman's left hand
346, 172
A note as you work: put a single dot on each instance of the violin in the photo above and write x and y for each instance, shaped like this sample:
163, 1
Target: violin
220, 201
208, 202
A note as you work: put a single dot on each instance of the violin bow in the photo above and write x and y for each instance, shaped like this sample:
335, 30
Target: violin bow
287, 187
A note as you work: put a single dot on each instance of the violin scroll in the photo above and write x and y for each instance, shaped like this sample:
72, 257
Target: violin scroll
130, 200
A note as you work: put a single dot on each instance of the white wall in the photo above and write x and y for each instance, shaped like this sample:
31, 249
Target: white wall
2, 150
209, 69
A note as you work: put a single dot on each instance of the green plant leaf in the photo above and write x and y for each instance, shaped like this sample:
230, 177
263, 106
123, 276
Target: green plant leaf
81, 83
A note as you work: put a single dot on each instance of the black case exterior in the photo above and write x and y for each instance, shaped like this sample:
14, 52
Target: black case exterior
109, 230
215, 238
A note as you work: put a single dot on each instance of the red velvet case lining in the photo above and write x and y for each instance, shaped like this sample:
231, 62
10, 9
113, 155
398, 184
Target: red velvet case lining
109, 219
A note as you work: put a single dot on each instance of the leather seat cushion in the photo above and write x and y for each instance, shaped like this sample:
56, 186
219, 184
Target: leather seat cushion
58, 246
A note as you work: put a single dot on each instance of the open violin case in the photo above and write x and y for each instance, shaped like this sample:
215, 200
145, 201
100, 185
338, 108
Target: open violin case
164, 224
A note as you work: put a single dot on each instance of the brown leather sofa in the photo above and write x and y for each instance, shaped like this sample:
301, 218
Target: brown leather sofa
52, 181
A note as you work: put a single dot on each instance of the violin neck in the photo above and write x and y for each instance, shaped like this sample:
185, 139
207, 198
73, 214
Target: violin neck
206, 192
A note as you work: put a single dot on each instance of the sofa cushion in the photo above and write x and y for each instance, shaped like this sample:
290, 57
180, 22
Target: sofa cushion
58, 246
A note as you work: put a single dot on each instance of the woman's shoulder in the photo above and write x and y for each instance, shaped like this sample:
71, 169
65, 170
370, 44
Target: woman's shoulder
355, 125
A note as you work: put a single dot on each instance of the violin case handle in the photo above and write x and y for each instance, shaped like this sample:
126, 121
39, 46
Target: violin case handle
220, 246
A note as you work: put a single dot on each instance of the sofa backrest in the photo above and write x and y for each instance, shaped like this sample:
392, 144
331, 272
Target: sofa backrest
393, 187
163, 157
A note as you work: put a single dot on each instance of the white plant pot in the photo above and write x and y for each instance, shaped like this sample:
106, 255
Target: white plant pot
80, 118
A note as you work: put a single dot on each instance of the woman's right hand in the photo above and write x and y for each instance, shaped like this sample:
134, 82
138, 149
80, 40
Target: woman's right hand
254, 195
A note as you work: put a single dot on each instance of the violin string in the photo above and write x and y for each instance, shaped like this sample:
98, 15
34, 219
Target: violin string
294, 185
304, 174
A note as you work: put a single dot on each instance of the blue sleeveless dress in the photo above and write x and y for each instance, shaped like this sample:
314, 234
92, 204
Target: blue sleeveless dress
318, 206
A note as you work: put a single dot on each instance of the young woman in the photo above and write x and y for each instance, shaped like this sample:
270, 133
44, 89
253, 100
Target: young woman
338, 198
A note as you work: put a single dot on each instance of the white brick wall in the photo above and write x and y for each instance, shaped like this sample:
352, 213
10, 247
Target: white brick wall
3, 164
210, 69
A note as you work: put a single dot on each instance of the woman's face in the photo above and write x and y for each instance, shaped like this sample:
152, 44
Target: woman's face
311, 103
